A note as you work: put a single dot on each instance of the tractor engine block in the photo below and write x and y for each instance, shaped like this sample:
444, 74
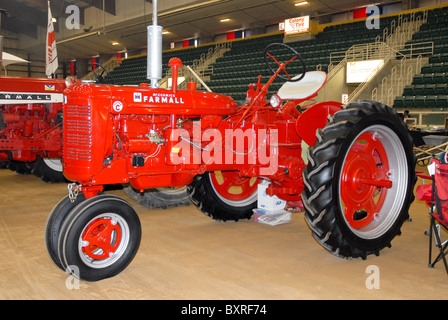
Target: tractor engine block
157, 138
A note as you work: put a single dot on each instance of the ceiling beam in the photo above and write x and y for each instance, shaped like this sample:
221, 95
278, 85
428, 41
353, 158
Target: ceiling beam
19, 11
22, 19
19, 27
57, 7
110, 5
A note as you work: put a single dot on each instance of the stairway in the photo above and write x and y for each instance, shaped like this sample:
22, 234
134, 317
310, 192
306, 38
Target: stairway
400, 62
200, 70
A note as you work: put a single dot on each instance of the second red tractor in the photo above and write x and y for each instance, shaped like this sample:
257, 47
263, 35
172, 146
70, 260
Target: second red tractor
31, 126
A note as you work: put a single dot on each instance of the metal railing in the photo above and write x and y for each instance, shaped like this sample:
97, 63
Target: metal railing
402, 73
394, 47
370, 51
395, 36
109, 65
413, 50
402, 29
410, 57
202, 67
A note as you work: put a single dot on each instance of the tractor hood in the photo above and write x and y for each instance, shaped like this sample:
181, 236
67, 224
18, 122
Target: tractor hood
143, 99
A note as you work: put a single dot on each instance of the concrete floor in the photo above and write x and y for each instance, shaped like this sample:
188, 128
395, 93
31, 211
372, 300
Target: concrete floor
186, 255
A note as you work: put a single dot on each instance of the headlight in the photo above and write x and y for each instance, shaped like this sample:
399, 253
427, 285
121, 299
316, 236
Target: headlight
275, 101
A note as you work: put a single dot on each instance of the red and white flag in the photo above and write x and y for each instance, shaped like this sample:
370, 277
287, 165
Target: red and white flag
51, 54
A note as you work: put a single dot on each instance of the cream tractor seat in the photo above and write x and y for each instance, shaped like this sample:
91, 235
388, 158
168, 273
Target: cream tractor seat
309, 85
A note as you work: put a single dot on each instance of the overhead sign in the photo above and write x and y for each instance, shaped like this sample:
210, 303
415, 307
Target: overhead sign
297, 25
360, 71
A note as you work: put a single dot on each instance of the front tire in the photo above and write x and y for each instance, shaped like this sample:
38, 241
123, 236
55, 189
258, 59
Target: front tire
99, 238
359, 180
54, 224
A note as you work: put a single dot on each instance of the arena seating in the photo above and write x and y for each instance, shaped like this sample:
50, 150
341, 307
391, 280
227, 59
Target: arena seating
244, 62
239, 67
429, 88
236, 69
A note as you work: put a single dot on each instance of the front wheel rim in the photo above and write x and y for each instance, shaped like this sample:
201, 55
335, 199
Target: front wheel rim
373, 182
103, 240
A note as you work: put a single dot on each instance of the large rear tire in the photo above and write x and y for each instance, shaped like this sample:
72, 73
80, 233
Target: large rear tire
359, 180
49, 170
21, 167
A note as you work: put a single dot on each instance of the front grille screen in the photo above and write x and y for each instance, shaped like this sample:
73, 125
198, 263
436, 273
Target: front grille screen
78, 133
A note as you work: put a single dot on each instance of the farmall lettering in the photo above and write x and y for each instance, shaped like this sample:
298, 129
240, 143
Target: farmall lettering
158, 98
354, 178
25, 97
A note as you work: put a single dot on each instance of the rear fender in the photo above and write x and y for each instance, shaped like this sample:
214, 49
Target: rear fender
315, 117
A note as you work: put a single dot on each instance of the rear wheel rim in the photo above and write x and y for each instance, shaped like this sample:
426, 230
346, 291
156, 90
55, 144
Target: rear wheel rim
234, 190
171, 190
54, 164
373, 182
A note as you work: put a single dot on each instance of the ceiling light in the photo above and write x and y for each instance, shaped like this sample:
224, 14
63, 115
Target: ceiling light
300, 3
224, 20
54, 20
115, 43
165, 32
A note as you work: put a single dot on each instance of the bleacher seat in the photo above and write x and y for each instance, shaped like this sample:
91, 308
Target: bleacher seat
244, 62
132, 71
246, 57
430, 87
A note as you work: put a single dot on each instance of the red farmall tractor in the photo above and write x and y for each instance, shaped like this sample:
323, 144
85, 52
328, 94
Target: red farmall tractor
356, 182
31, 126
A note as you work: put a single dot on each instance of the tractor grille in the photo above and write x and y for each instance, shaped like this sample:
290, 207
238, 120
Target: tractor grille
78, 132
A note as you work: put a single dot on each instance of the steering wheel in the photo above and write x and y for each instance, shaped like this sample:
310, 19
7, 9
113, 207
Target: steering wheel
99, 77
283, 65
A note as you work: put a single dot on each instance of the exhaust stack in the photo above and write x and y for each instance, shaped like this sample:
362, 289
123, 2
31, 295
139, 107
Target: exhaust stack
154, 68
